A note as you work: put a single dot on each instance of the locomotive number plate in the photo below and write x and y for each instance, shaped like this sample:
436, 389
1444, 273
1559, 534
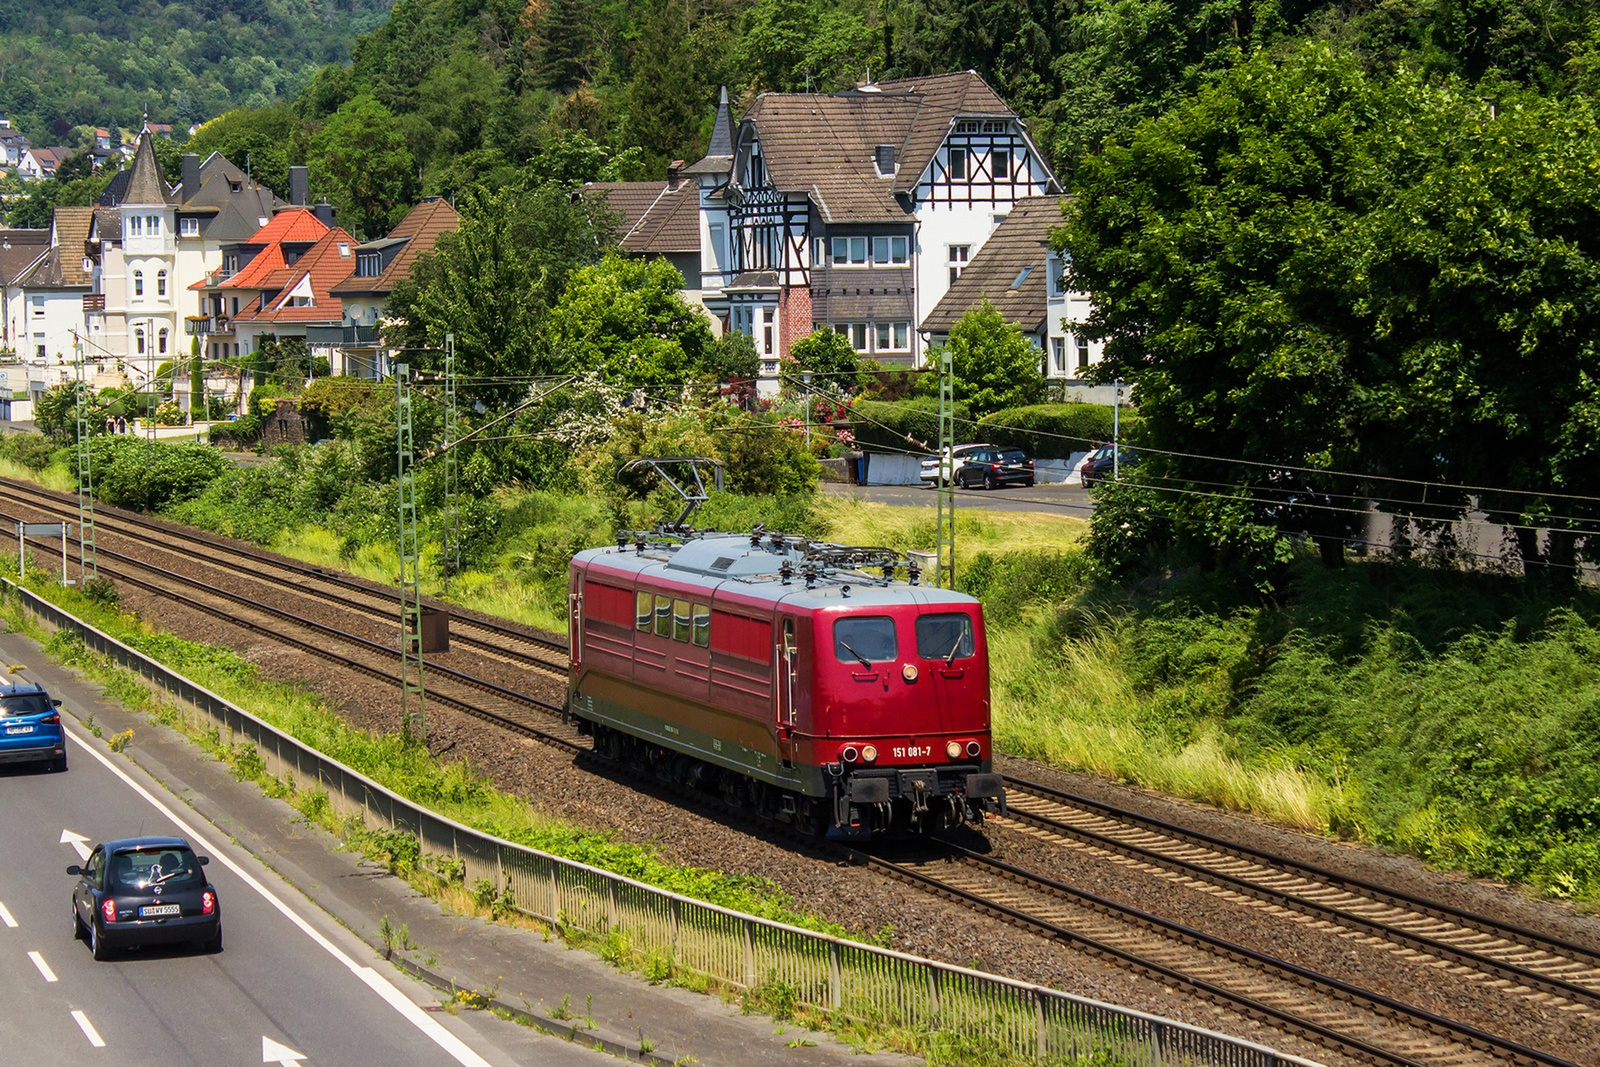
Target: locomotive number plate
912, 751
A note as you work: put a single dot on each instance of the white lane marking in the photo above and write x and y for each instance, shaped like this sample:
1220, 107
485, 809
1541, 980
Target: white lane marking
88, 1029
452, 1044
5, 917
273, 1052
79, 843
44, 968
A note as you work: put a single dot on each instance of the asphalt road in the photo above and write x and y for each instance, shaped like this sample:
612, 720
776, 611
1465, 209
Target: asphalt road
289, 983
1071, 499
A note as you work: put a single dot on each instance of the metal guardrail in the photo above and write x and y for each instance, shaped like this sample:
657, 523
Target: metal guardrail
1001, 1015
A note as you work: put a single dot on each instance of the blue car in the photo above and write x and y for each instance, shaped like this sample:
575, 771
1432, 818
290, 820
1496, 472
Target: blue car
30, 726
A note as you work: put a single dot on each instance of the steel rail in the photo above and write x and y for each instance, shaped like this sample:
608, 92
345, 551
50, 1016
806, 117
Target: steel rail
1297, 975
10, 487
1397, 897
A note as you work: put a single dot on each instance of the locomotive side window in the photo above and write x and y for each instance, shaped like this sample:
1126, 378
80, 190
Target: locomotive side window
865, 640
702, 625
644, 610
663, 616
681, 628
946, 637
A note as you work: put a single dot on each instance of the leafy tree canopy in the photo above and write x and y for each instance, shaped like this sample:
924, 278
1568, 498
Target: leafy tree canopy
360, 162
993, 365
626, 319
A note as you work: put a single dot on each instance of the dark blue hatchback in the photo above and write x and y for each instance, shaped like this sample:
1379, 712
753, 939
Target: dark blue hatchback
30, 726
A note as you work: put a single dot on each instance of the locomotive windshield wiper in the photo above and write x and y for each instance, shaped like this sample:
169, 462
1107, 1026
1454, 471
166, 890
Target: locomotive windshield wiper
865, 662
951, 658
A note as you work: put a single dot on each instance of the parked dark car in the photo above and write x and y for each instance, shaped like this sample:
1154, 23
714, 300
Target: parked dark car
30, 725
996, 467
1102, 463
145, 891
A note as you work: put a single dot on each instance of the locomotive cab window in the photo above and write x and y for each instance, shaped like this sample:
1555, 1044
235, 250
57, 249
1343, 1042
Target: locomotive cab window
946, 637
663, 616
681, 627
644, 610
865, 640
702, 625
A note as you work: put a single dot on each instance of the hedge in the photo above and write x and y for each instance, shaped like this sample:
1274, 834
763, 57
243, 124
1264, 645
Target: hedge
886, 426
1053, 431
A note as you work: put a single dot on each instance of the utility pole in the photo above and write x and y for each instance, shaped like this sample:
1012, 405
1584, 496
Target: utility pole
450, 563
1116, 435
413, 723
946, 547
88, 567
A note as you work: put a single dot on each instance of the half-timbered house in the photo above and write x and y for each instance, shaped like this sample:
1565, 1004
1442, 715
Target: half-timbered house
855, 211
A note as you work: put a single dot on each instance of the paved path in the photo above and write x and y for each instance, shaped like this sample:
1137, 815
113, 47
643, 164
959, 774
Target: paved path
1058, 499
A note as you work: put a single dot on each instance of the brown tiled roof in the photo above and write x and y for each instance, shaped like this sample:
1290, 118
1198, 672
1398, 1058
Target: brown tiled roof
1020, 242
823, 146
62, 266
18, 250
943, 96
420, 229
657, 217
326, 264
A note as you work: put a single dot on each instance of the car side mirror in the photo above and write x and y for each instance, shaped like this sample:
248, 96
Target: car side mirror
204, 860
75, 869
55, 702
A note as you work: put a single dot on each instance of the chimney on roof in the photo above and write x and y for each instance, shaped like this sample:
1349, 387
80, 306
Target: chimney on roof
883, 156
674, 173
191, 175
299, 187
325, 214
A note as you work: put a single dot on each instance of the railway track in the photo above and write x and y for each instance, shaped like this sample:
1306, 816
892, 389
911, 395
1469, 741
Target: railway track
1558, 974
486, 637
1555, 973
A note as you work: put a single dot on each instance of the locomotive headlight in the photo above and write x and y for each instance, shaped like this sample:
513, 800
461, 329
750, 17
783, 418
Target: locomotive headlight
869, 753
973, 748
909, 672
953, 750
850, 754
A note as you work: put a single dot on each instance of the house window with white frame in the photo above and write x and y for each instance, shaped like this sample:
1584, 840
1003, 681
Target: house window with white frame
161, 283
893, 336
1058, 354
958, 164
161, 342
958, 260
1083, 352
135, 226
849, 251
138, 283
189, 227
854, 332
38, 307
152, 224
1000, 164
767, 331
891, 251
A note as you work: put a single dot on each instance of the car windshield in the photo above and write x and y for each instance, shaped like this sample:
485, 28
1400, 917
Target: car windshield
24, 704
172, 867
870, 639
1014, 455
947, 637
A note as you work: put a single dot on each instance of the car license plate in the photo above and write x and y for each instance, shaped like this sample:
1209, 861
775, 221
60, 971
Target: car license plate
18, 730
157, 910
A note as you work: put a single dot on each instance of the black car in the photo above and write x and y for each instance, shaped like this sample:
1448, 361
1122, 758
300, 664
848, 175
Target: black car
1103, 463
145, 891
995, 467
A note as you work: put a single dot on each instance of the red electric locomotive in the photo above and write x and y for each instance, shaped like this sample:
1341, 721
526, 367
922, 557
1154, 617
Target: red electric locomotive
783, 675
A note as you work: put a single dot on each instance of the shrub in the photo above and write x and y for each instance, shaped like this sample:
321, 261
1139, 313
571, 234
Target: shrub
137, 473
907, 426
1053, 431
31, 450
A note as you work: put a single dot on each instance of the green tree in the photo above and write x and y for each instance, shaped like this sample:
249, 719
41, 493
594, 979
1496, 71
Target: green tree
492, 282
667, 95
993, 365
826, 354
792, 45
626, 319
263, 140
733, 355
360, 161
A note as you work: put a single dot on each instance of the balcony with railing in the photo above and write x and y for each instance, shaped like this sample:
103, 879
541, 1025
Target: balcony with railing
205, 325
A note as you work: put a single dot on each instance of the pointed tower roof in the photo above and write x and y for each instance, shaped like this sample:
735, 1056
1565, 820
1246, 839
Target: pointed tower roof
145, 183
719, 154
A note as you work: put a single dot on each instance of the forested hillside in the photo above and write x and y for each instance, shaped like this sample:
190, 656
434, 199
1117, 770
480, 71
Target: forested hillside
66, 63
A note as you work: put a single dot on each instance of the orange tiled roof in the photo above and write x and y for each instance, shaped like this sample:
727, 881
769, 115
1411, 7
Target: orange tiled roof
294, 225
326, 264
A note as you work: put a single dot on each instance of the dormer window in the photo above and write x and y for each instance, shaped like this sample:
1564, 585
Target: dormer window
189, 227
369, 264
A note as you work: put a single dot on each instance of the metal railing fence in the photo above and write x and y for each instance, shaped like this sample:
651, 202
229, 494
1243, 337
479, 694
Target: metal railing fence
1000, 1015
